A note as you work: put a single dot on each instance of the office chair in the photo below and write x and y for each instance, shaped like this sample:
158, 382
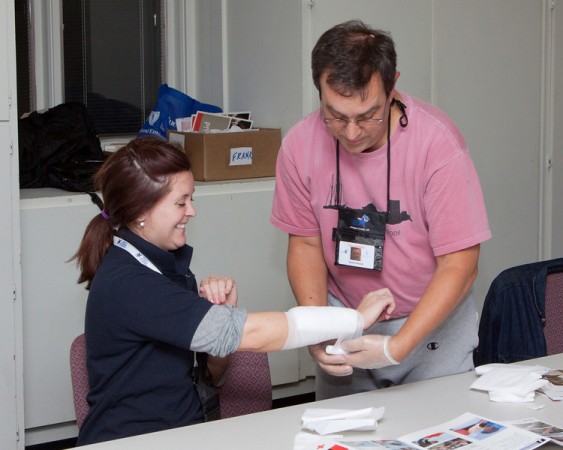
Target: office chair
554, 313
247, 386
79, 378
522, 314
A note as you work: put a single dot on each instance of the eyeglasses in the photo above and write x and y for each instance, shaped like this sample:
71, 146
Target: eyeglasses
339, 124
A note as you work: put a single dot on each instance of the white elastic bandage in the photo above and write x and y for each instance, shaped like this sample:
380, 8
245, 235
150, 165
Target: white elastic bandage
309, 325
386, 351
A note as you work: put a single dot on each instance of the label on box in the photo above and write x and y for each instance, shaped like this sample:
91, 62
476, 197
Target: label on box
241, 156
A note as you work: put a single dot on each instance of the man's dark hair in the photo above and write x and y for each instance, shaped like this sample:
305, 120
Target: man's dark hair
351, 53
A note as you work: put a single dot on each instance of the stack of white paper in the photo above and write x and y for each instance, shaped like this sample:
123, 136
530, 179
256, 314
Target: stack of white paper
327, 421
510, 382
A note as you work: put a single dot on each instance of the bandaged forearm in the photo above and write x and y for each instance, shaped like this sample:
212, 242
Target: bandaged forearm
309, 325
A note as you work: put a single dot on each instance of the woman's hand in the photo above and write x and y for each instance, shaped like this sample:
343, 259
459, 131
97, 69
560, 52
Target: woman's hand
219, 290
375, 306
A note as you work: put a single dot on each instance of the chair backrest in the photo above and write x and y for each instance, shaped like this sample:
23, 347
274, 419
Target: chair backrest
522, 314
248, 385
79, 378
554, 313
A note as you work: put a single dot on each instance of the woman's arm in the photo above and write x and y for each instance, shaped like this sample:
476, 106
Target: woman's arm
306, 325
299, 327
222, 291
264, 332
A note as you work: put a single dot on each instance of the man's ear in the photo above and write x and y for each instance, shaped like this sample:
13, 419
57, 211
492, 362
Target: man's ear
397, 75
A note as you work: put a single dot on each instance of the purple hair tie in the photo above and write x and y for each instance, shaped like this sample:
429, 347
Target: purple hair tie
105, 215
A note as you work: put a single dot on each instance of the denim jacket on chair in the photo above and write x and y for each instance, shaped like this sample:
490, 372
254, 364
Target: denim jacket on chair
511, 325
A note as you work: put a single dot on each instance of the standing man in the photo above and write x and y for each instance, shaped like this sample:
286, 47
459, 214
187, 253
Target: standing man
376, 169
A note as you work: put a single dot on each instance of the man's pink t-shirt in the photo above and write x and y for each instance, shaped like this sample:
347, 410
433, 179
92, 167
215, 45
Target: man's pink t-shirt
438, 205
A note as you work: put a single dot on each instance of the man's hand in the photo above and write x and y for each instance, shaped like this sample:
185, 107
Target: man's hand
219, 290
332, 364
370, 351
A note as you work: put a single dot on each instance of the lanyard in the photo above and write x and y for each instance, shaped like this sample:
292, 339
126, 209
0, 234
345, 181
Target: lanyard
130, 248
136, 253
403, 122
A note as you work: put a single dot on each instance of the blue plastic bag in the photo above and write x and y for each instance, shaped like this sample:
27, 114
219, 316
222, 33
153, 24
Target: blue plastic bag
172, 104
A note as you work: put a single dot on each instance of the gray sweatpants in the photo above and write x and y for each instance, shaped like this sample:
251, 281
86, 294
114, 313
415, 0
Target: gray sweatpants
446, 351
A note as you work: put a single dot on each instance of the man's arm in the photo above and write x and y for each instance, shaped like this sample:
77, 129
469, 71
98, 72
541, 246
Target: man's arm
454, 275
307, 270
308, 277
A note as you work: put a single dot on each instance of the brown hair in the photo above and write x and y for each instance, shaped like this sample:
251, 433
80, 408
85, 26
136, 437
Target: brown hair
351, 53
131, 181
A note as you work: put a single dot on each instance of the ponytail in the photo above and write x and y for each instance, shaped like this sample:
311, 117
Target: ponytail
95, 243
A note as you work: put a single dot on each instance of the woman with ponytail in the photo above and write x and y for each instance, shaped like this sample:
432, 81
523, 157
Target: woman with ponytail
146, 315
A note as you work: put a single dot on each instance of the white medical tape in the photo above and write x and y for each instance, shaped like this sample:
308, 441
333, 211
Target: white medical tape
309, 325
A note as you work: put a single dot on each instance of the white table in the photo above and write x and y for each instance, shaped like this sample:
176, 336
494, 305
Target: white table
408, 408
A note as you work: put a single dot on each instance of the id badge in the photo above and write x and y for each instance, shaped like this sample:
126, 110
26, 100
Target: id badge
360, 237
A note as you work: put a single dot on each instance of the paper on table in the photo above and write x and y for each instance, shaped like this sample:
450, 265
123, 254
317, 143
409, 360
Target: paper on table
554, 390
326, 421
510, 382
476, 432
307, 441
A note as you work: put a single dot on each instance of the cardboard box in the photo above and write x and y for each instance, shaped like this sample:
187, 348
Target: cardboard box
230, 155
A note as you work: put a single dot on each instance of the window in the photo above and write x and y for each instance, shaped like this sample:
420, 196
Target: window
112, 58
23, 56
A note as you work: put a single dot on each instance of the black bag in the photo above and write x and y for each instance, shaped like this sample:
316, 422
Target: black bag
207, 392
59, 148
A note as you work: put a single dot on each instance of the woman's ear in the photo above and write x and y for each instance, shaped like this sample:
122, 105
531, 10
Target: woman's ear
140, 222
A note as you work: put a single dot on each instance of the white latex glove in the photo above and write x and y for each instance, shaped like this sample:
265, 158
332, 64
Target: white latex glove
368, 352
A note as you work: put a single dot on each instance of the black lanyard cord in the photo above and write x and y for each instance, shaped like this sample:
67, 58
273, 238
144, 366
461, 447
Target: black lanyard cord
389, 161
338, 188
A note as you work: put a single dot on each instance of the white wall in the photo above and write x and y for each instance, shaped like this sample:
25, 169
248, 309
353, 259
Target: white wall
555, 140
263, 58
410, 24
208, 34
489, 79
